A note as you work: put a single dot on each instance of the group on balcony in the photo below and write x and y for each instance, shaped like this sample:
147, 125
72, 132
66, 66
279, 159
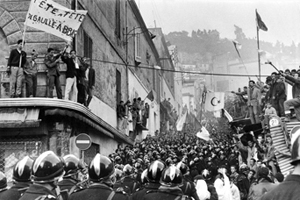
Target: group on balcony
80, 76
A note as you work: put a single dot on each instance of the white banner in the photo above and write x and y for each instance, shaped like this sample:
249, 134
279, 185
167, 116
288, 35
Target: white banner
203, 134
51, 17
214, 101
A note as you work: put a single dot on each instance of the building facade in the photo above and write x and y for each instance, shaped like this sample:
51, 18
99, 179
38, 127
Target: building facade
120, 47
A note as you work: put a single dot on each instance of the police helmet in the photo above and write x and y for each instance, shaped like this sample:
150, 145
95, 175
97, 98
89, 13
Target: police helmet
72, 165
3, 181
48, 167
101, 167
22, 170
155, 170
171, 176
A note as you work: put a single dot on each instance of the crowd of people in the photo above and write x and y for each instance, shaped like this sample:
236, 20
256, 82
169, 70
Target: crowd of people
80, 75
279, 93
166, 167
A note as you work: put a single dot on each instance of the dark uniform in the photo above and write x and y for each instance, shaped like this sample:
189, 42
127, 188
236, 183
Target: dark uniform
98, 191
165, 193
1, 193
243, 184
188, 188
127, 184
67, 184
15, 192
141, 193
35, 192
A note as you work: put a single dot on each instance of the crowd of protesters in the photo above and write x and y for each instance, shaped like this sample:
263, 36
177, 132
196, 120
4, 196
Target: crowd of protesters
276, 97
80, 75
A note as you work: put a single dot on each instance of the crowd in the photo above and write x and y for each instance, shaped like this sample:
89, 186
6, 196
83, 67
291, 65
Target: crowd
275, 97
80, 75
165, 167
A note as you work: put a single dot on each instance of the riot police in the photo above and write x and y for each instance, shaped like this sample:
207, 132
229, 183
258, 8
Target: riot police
102, 178
127, 183
154, 172
22, 179
47, 169
171, 180
188, 187
3, 184
72, 168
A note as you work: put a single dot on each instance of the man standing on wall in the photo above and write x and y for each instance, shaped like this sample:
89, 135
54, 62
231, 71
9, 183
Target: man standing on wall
254, 101
71, 91
52, 63
16, 62
30, 71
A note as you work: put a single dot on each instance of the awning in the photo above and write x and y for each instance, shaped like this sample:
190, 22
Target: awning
19, 117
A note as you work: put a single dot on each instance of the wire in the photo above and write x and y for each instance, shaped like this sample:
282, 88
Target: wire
178, 71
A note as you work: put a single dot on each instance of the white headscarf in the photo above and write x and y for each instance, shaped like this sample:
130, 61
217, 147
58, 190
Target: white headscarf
202, 190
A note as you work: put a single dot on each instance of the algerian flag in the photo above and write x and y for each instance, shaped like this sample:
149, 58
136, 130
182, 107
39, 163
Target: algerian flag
214, 101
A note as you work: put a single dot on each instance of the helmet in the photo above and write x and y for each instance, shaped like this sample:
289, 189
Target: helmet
48, 167
118, 173
3, 181
100, 167
128, 170
295, 144
206, 174
144, 177
169, 161
72, 165
171, 176
22, 170
182, 167
155, 170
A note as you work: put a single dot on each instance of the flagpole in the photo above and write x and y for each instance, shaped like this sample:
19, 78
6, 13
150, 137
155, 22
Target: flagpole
257, 31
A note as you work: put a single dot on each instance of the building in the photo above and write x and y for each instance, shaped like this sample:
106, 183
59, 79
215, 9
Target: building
116, 39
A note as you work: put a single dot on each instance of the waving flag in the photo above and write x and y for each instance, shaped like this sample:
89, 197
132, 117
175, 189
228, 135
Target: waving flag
203, 134
237, 46
260, 24
181, 122
214, 101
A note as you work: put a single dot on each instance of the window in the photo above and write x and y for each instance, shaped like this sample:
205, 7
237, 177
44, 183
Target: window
118, 86
87, 46
118, 20
137, 46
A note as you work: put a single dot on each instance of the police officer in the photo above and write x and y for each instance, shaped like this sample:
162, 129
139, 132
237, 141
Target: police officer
128, 183
46, 170
22, 179
188, 188
72, 168
3, 184
102, 178
171, 180
154, 172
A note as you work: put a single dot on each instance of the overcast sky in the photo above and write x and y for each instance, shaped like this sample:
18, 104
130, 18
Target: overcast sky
282, 17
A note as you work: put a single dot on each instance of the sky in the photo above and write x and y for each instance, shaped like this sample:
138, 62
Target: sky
282, 17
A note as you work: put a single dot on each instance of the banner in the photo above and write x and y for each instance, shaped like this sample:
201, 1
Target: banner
51, 17
214, 101
227, 115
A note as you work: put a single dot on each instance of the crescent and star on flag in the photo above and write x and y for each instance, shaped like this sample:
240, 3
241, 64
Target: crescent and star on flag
214, 101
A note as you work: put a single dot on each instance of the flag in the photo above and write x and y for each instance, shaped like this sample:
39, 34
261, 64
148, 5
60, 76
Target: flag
237, 46
150, 95
203, 134
203, 95
53, 18
214, 101
181, 122
227, 115
260, 24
